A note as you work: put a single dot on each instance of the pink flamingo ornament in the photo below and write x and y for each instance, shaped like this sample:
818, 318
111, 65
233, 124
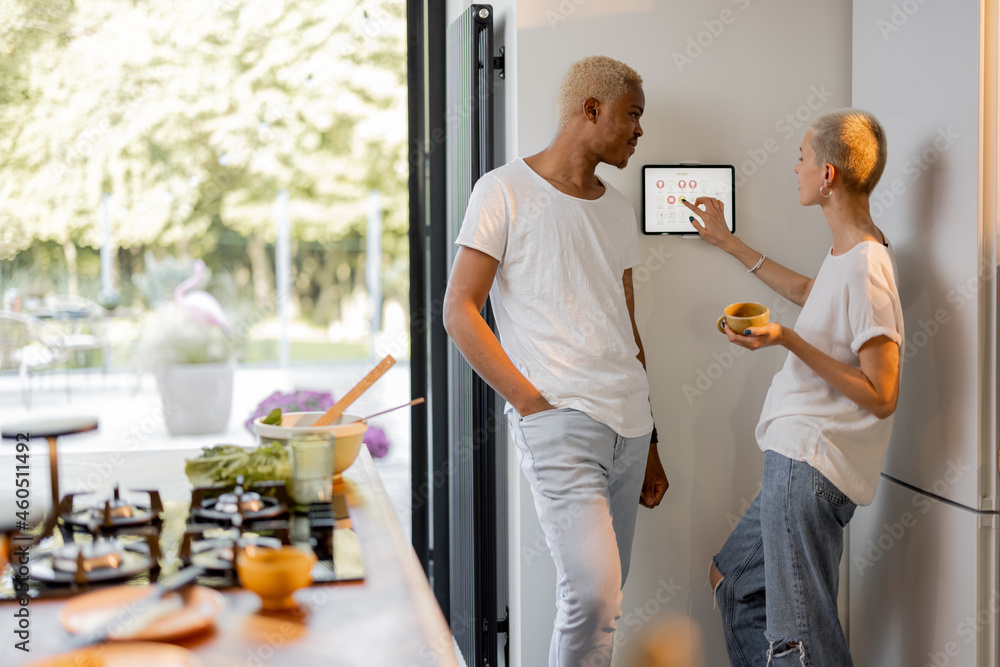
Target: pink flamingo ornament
200, 305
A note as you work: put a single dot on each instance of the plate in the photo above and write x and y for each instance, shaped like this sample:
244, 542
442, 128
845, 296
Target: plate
124, 654
82, 613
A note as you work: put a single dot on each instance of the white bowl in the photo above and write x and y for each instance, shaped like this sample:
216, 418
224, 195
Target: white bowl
348, 430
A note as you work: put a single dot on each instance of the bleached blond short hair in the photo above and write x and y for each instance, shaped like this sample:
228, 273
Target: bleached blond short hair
605, 79
854, 142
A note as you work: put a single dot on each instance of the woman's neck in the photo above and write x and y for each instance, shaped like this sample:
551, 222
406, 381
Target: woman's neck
850, 220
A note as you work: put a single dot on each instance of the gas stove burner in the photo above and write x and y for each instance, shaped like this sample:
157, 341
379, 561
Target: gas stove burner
90, 556
103, 560
239, 506
213, 509
213, 546
234, 503
112, 515
219, 554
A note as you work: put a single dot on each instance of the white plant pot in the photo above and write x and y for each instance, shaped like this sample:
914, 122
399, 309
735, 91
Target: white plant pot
197, 398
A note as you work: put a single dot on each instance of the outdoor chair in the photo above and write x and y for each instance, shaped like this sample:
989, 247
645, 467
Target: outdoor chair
80, 323
27, 345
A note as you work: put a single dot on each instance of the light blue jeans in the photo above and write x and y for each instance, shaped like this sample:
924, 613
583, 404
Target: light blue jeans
585, 480
781, 570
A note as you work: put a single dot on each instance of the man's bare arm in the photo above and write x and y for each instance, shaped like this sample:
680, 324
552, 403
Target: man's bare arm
630, 302
655, 482
469, 286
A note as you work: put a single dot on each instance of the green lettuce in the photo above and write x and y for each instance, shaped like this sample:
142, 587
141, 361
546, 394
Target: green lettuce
273, 417
221, 464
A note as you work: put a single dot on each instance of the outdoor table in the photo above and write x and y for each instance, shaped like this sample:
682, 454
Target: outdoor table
50, 428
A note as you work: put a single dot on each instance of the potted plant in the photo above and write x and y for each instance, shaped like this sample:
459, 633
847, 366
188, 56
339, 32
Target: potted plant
186, 344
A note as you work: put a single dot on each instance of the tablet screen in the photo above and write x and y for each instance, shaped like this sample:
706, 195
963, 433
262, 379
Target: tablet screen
663, 187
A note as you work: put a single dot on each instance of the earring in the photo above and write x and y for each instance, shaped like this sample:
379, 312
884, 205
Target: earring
829, 190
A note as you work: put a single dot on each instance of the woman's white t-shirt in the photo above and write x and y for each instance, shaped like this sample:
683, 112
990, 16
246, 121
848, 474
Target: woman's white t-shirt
854, 298
558, 296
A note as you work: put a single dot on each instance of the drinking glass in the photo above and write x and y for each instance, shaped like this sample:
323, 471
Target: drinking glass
311, 458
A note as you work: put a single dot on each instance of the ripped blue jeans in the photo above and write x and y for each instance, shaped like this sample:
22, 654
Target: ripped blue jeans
780, 571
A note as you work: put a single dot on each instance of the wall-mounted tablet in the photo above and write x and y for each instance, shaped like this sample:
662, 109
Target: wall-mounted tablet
665, 185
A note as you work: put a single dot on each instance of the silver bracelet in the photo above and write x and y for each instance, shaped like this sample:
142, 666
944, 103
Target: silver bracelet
759, 263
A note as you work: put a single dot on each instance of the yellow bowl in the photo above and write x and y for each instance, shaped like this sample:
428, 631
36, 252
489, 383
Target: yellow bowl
274, 574
348, 431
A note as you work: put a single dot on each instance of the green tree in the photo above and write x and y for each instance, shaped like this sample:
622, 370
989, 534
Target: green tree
193, 115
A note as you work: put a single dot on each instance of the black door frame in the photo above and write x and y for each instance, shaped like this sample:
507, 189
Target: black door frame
426, 23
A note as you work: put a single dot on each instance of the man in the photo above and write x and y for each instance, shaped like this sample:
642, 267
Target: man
554, 247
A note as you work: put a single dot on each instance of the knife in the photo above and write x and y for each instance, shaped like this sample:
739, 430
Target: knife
129, 620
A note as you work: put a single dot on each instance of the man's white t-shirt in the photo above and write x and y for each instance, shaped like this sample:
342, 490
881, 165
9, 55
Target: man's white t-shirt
854, 298
558, 296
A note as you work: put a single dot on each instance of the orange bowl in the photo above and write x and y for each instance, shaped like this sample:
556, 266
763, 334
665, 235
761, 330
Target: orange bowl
274, 574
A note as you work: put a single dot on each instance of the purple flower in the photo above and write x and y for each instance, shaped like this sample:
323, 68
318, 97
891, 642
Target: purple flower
377, 443
302, 400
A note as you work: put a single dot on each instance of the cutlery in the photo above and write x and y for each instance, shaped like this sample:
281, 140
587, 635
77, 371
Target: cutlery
128, 621
367, 381
416, 401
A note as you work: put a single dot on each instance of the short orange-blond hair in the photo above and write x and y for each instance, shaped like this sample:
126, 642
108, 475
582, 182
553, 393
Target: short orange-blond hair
605, 79
854, 142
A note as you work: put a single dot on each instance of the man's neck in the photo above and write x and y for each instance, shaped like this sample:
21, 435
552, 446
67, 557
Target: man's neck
569, 167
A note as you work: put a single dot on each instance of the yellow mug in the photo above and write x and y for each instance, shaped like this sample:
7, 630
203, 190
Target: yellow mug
741, 316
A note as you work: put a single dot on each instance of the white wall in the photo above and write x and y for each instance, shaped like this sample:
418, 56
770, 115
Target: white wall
751, 65
758, 65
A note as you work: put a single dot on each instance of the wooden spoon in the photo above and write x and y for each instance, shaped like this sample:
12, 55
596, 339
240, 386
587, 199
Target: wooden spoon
338, 408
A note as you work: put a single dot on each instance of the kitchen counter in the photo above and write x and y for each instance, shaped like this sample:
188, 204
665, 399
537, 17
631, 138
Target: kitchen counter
391, 618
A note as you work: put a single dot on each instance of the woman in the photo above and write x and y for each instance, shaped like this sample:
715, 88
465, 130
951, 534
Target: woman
827, 417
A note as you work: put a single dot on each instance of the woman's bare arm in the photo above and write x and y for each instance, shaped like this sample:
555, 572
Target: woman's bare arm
793, 286
874, 386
